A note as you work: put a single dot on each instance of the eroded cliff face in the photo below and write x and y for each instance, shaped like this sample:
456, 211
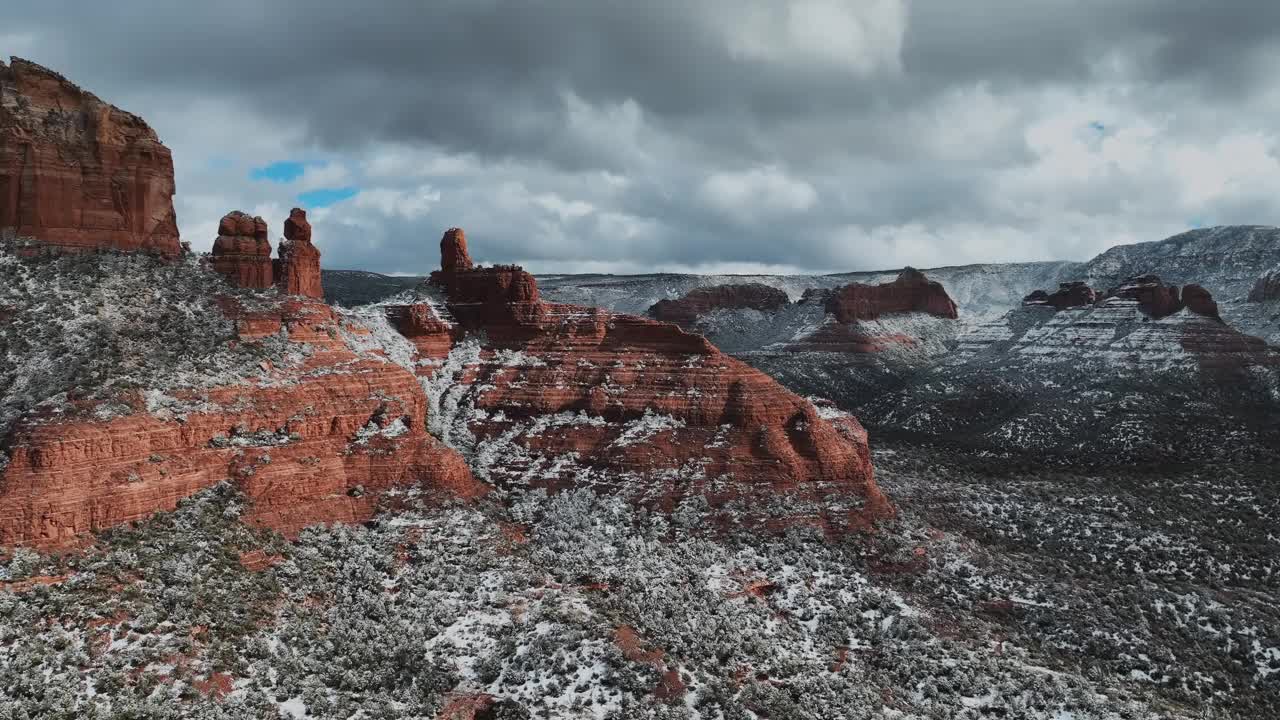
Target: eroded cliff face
549, 395
78, 174
312, 431
297, 270
912, 316
910, 292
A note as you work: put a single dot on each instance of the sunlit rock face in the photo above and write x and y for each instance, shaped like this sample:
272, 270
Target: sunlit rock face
78, 174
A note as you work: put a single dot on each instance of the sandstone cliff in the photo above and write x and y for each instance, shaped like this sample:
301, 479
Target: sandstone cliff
686, 311
77, 173
161, 392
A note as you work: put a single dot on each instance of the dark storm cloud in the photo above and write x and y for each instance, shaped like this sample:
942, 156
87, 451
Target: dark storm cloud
817, 134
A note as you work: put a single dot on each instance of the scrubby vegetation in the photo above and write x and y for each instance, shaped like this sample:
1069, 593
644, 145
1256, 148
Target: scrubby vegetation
89, 327
1003, 595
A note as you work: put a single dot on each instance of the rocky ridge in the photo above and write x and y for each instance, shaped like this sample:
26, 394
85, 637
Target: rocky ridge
280, 402
686, 311
547, 395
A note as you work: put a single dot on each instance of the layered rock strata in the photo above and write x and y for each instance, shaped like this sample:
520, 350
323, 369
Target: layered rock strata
548, 395
1267, 288
910, 292
908, 313
242, 251
297, 270
314, 442
78, 174
1068, 294
687, 310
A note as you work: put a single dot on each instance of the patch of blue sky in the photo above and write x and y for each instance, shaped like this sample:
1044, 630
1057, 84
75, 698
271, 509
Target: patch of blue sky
324, 197
284, 171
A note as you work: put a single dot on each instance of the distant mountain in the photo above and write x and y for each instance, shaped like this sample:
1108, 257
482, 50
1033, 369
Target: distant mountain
350, 288
980, 291
1227, 259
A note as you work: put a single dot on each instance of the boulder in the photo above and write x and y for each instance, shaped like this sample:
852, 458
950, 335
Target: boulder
78, 174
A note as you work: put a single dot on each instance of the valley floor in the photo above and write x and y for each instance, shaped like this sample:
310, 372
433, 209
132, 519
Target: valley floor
999, 592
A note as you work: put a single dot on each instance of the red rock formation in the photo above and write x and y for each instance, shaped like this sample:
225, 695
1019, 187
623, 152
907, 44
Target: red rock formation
701, 301
664, 412
78, 174
453, 251
859, 318
297, 271
1153, 296
307, 444
242, 251
1068, 295
910, 292
1200, 301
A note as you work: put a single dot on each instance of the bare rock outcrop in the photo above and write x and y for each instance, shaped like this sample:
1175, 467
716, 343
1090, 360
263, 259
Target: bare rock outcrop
453, 251
1200, 301
557, 396
1154, 297
1068, 295
313, 443
297, 270
685, 311
242, 251
910, 292
78, 174
910, 314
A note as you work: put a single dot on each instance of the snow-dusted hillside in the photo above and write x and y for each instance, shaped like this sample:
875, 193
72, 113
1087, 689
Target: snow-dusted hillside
1226, 260
980, 291
1102, 383
1033, 596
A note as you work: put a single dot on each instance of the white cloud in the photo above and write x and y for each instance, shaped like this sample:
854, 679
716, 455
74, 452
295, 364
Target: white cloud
325, 174
862, 37
399, 161
760, 191
408, 204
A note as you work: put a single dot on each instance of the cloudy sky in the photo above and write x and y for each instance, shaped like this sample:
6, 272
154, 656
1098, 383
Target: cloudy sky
718, 135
